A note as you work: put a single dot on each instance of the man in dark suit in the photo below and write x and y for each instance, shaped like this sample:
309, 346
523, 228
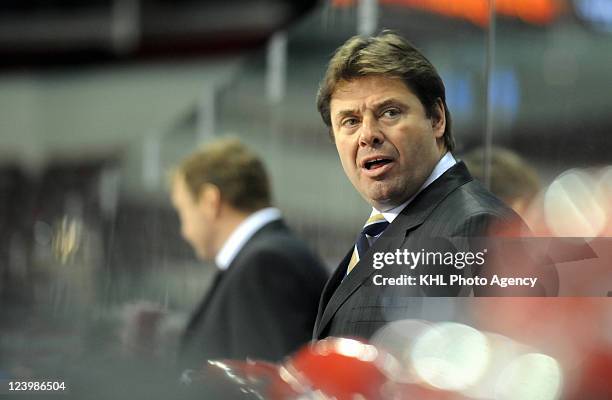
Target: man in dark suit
263, 300
385, 106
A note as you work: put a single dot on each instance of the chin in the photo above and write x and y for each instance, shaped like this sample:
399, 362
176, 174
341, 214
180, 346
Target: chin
383, 197
380, 203
202, 256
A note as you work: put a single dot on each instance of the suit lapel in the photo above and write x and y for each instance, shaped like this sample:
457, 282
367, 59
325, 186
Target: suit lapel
392, 238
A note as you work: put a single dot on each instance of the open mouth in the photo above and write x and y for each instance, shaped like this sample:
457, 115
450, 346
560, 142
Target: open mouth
376, 163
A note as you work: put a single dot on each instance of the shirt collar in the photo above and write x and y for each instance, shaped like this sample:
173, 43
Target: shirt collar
445, 163
243, 233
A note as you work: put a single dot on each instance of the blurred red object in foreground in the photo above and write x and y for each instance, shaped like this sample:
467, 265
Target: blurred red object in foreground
420, 392
334, 368
230, 379
340, 368
595, 380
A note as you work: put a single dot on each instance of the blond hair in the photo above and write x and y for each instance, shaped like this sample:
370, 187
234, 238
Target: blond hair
231, 166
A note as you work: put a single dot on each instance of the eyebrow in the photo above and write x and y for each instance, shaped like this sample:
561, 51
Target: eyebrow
388, 102
346, 113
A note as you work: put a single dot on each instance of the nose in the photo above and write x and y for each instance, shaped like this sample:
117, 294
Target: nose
370, 133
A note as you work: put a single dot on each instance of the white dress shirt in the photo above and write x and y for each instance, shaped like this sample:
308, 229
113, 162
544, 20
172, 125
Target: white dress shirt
243, 233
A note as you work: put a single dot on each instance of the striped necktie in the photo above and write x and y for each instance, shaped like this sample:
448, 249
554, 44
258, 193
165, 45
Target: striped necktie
372, 229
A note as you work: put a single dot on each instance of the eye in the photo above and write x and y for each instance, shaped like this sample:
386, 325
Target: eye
392, 112
349, 122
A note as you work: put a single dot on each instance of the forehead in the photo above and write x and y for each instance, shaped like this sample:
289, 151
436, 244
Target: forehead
370, 90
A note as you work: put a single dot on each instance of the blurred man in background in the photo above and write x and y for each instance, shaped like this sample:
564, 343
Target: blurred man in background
512, 179
263, 300
385, 106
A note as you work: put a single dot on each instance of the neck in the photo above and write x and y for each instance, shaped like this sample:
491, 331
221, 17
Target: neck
228, 222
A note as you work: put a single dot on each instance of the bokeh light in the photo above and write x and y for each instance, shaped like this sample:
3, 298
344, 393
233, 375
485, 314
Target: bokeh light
503, 351
531, 376
604, 197
397, 338
451, 356
571, 208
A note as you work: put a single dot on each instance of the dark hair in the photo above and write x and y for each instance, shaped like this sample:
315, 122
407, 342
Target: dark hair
231, 166
391, 55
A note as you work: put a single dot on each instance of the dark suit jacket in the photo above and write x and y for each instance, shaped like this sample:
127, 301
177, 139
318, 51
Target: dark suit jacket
262, 307
448, 215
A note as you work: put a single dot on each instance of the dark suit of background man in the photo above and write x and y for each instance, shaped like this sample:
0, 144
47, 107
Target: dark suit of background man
263, 300
385, 106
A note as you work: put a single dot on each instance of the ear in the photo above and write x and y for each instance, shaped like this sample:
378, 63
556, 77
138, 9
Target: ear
209, 201
438, 119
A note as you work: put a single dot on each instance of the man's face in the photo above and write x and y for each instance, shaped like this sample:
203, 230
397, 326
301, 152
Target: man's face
386, 143
196, 222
